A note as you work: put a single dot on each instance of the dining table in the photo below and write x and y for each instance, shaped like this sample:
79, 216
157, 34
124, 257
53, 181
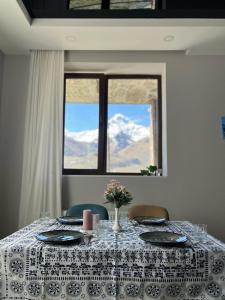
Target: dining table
111, 265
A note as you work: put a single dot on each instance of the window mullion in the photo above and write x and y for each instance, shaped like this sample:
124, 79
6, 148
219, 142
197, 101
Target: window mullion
102, 153
105, 4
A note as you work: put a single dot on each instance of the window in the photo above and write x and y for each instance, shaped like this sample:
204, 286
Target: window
85, 4
112, 123
111, 4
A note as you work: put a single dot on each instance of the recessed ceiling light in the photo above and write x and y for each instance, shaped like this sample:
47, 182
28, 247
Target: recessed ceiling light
71, 38
169, 38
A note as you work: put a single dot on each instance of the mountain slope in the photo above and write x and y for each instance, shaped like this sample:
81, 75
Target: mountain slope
128, 145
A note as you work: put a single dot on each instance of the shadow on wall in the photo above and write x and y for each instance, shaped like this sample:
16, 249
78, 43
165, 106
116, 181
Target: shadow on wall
66, 196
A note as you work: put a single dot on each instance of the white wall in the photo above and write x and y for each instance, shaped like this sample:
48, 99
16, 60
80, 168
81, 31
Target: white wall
1, 79
194, 189
1, 74
14, 90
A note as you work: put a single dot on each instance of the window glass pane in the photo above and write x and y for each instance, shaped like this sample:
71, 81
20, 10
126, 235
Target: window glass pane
85, 4
114, 4
132, 126
132, 4
81, 124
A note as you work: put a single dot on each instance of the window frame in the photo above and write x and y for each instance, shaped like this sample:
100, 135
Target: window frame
103, 121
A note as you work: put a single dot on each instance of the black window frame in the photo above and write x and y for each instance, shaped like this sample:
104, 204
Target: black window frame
103, 121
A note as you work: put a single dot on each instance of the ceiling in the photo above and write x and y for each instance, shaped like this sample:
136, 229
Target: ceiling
19, 33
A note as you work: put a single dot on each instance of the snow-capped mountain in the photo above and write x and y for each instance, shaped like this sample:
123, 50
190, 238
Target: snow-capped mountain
128, 144
121, 130
87, 136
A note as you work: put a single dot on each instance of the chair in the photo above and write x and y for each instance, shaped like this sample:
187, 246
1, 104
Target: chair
77, 210
147, 211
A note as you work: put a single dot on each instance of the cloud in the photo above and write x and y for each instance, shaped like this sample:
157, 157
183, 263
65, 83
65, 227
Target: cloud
118, 125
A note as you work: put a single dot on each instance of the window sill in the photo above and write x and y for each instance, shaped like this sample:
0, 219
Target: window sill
114, 176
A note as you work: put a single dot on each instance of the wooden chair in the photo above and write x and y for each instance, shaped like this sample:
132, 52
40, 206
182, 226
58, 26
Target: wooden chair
147, 211
77, 210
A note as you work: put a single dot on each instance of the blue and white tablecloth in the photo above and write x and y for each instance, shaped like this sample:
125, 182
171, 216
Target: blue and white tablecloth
117, 266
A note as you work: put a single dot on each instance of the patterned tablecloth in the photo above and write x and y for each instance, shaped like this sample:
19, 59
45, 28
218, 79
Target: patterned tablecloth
117, 266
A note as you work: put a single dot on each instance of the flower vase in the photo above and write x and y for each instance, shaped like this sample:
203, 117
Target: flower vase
116, 226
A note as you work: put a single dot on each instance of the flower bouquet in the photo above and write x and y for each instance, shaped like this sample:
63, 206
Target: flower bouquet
117, 195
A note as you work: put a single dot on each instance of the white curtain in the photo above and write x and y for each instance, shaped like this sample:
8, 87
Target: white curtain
42, 160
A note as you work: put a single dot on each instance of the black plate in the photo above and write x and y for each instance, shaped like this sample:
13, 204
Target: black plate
163, 238
59, 236
150, 220
70, 220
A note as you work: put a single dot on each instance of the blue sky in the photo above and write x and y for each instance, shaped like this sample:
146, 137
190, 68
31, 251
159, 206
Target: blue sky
81, 117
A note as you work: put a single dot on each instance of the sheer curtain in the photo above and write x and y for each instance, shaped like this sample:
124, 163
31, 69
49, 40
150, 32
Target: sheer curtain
42, 159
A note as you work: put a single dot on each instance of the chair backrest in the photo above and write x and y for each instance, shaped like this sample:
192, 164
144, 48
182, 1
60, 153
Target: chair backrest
147, 211
77, 210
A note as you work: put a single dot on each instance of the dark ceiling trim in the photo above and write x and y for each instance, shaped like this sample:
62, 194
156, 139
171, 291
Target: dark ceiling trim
137, 14
165, 9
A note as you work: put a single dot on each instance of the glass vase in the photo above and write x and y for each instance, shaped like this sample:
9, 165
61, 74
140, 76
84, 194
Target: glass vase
116, 226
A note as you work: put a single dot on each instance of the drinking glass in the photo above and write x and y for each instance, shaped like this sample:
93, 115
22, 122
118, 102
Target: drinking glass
45, 215
64, 211
101, 229
200, 232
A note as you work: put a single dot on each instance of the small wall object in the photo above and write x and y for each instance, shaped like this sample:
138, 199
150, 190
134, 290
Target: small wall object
223, 127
